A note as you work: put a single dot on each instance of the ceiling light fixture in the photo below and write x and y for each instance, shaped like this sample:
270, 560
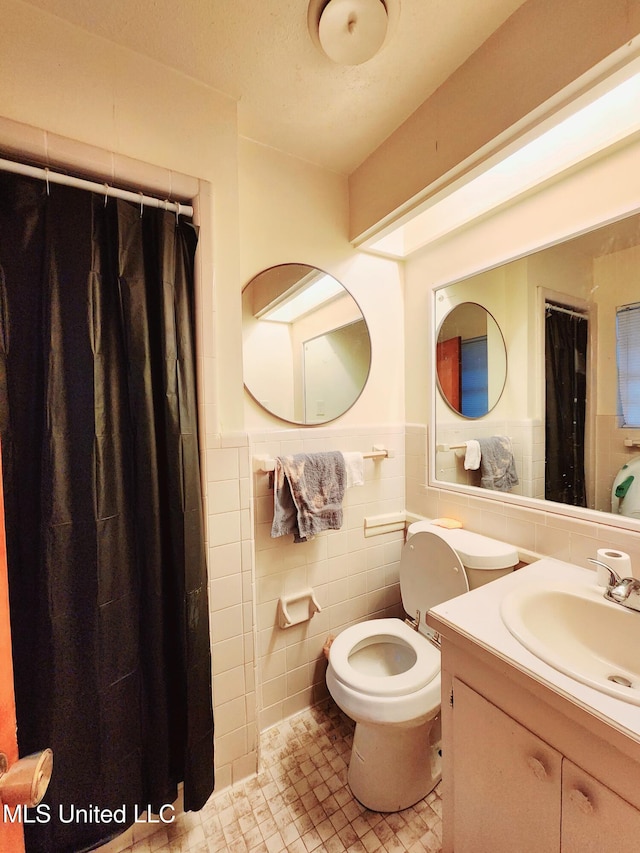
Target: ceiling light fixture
349, 32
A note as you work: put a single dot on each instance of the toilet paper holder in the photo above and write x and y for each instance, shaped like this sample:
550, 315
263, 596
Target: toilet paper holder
25, 783
297, 607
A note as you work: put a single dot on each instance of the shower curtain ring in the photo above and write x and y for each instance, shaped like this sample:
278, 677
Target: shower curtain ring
46, 180
177, 213
106, 194
141, 204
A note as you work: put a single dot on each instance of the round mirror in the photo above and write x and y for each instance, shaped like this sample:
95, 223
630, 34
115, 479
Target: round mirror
471, 360
306, 345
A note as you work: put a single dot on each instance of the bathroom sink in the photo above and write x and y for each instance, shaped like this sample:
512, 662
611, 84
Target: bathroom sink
579, 633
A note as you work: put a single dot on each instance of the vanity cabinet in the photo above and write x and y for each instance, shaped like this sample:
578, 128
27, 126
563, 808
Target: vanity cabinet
504, 779
513, 791
594, 819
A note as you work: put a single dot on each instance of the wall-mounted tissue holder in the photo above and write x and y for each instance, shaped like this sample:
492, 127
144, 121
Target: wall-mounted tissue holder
297, 607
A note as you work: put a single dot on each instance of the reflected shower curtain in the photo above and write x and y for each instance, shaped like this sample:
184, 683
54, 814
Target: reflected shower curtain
104, 517
566, 390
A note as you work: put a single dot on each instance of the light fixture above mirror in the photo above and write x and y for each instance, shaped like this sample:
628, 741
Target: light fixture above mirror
571, 133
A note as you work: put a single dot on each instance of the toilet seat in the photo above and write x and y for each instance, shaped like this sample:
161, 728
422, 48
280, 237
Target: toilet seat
411, 661
430, 573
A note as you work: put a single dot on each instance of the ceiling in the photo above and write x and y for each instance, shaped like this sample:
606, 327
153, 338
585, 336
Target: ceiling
290, 95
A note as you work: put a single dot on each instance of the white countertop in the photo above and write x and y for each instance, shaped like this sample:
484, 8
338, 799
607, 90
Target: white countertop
476, 615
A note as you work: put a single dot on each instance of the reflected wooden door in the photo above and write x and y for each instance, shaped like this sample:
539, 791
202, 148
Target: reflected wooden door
11, 834
448, 366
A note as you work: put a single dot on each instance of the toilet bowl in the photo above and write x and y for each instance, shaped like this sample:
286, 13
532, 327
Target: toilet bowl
385, 673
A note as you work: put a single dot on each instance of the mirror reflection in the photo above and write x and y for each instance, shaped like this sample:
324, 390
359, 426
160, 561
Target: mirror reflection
306, 345
570, 315
471, 360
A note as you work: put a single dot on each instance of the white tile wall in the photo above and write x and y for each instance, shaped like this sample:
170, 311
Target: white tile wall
546, 533
527, 438
354, 577
231, 596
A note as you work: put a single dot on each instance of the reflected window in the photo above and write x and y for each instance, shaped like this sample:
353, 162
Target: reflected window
628, 357
475, 378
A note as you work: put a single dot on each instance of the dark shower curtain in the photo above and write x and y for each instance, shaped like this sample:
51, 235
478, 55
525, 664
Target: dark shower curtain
107, 573
566, 394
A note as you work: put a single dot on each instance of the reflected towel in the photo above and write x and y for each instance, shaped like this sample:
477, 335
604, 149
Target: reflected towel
354, 467
472, 455
308, 490
497, 465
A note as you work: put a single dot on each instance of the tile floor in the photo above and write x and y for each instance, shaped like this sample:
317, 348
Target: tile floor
300, 802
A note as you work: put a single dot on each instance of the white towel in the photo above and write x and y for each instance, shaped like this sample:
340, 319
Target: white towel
472, 455
354, 466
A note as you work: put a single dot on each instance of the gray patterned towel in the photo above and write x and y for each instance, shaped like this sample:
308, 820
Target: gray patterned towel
497, 466
307, 494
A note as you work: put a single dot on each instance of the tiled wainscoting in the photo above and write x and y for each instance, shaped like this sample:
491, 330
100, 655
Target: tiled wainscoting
262, 673
354, 577
527, 441
566, 537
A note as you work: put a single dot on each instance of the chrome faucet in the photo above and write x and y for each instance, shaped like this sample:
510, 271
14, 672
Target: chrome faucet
624, 591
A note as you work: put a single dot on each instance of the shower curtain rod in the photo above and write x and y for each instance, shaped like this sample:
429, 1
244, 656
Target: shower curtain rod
140, 198
551, 306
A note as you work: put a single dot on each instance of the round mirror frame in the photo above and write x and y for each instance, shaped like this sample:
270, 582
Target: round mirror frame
490, 404
308, 270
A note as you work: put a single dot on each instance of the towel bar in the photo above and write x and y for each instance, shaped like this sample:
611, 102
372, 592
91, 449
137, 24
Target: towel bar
264, 464
442, 448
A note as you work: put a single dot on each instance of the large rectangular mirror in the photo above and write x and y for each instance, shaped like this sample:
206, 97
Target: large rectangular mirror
570, 319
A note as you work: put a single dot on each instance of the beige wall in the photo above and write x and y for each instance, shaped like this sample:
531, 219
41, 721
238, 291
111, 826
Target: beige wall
291, 211
543, 47
615, 284
57, 77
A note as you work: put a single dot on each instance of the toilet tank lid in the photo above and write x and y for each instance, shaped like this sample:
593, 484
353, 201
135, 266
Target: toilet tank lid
475, 551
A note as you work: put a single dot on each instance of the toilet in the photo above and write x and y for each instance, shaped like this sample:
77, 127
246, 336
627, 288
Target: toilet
385, 673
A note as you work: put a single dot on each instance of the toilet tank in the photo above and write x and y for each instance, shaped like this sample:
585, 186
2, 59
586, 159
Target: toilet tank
484, 559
